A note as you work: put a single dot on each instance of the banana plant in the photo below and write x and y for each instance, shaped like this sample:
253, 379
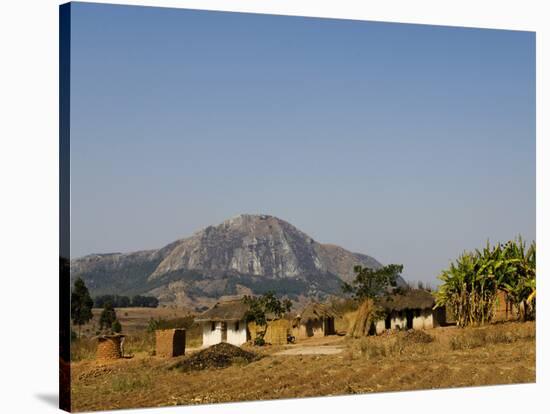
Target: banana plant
470, 285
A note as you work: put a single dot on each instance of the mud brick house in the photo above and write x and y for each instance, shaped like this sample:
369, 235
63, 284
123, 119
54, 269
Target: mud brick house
170, 342
316, 320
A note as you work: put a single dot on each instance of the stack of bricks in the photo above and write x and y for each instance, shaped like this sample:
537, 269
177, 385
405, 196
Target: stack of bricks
170, 342
108, 347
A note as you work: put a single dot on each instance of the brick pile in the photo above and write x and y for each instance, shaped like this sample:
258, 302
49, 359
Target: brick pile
108, 347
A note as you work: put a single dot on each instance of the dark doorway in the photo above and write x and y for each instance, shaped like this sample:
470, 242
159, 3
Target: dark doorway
409, 315
224, 332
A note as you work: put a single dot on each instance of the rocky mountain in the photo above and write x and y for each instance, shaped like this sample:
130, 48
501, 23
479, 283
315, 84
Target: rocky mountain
243, 255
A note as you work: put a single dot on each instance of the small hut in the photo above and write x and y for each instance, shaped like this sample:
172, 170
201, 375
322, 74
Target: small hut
224, 322
170, 342
277, 329
410, 309
317, 320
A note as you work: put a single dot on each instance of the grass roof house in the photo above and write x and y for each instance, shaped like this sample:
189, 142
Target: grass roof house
410, 309
224, 322
317, 319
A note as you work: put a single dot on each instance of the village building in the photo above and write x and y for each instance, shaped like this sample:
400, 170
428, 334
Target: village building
224, 322
410, 309
316, 320
277, 330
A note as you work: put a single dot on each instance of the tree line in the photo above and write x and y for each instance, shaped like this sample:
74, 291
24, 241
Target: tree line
119, 301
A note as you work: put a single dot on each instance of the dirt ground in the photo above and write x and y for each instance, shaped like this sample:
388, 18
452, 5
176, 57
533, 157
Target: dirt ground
445, 357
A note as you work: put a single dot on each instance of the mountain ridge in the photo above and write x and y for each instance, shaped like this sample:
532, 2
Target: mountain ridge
246, 254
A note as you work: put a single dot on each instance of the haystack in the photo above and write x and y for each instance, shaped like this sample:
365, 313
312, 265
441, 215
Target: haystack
276, 333
363, 322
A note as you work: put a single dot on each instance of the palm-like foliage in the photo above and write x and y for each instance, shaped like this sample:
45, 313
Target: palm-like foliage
520, 285
471, 284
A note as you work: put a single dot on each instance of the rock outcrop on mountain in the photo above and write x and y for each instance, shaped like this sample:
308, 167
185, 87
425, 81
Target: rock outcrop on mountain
243, 255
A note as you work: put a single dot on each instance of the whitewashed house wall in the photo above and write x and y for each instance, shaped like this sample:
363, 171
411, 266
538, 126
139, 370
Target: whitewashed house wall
236, 335
428, 319
418, 321
398, 320
380, 326
209, 336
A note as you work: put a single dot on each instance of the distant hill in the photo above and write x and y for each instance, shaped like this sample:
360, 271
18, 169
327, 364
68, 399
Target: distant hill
243, 255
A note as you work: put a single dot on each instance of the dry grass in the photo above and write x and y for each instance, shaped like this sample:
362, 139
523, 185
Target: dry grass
135, 322
503, 354
138, 343
490, 335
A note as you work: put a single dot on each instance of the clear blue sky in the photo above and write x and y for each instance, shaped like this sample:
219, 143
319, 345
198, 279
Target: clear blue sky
409, 143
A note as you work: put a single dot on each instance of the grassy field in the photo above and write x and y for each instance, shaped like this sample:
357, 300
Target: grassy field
134, 322
134, 319
439, 358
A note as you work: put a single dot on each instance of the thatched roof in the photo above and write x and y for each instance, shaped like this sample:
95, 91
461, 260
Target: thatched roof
230, 310
315, 311
409, 299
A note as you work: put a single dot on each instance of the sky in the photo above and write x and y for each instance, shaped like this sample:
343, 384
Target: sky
409, 143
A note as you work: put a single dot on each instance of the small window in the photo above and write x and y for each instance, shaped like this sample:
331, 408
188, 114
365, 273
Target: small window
213, 326
237, 325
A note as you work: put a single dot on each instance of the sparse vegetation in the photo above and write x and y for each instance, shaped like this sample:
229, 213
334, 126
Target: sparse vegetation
477, 338
407, 360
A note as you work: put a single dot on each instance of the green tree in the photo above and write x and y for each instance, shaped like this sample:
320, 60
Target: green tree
81, 304
116, 326
260, 306
108, 317
370, 283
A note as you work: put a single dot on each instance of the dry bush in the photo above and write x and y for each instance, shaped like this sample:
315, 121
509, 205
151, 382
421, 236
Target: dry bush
491, 335
393, 344
416, 337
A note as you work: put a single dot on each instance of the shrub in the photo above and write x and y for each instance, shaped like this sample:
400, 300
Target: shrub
116, 327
